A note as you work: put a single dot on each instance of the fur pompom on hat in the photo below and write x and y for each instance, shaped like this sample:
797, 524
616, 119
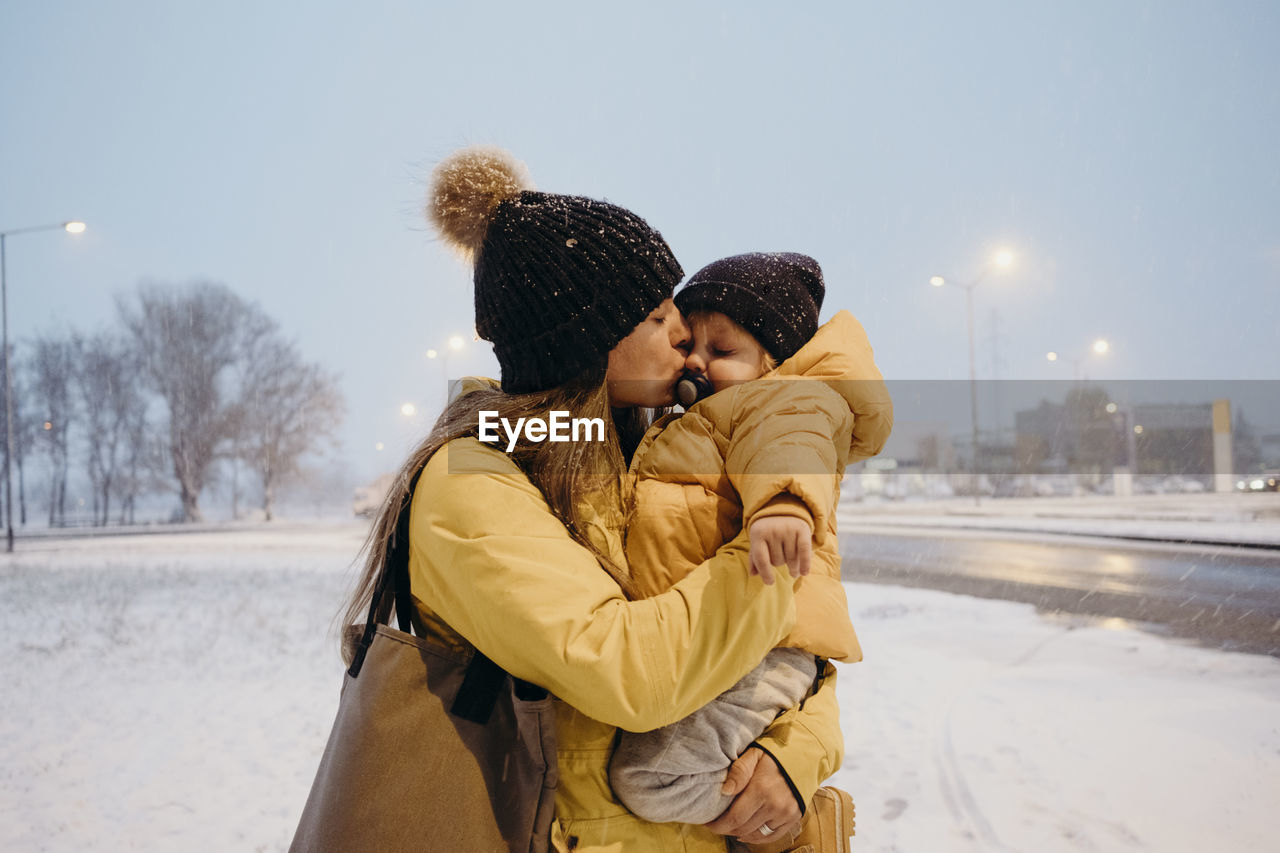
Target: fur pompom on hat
466, 188
775, 296
559, 280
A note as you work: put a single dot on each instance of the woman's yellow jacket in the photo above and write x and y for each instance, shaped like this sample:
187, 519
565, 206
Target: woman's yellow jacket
489, 562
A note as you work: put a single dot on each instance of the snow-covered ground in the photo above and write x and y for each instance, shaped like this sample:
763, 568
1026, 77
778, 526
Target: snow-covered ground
976, 725
173, 692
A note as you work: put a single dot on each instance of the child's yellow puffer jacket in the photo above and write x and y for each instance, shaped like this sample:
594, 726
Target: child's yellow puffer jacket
775, 446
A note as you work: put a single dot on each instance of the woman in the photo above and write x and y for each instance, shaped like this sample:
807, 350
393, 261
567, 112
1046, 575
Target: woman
520, 554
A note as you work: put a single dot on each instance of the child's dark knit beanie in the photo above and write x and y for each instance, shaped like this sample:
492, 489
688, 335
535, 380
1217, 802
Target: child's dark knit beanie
559, 280
775, 296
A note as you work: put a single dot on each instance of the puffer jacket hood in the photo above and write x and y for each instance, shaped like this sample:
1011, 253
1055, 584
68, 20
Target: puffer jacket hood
840, 354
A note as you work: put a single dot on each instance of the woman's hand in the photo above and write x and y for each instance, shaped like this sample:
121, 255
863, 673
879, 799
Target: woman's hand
765, 800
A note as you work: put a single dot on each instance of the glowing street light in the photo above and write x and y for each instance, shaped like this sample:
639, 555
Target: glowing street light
73, 226
1001, 259
1101, 346
408, 410
455, 343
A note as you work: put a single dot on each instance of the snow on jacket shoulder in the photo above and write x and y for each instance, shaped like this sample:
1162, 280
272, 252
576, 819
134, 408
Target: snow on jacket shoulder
774, 446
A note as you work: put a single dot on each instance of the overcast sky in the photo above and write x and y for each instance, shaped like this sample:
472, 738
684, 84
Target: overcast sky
1124, 151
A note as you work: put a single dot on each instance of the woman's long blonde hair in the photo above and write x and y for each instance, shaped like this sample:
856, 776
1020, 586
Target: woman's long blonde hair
568, 473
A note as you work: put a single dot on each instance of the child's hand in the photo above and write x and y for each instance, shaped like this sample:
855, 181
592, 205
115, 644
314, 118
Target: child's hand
780, 539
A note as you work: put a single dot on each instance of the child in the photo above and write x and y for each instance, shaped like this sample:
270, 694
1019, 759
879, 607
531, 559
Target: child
767, 455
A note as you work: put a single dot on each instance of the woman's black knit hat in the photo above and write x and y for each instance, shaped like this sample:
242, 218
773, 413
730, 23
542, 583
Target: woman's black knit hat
775, 296
559, 280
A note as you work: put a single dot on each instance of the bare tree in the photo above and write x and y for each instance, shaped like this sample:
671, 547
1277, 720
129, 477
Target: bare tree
144, 465
105, 383
51, 372
187, 339
24, 429
287, 409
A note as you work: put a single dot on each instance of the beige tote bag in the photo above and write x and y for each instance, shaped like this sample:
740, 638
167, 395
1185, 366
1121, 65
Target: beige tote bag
431, 750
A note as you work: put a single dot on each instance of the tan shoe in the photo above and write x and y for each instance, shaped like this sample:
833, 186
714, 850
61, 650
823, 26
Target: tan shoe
826, 827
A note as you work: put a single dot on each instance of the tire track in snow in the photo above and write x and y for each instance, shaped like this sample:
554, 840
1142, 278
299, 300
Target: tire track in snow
956, 791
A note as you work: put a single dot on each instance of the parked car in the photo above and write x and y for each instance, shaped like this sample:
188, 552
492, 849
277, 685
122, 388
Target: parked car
367, 499
1267, 481
1177, 484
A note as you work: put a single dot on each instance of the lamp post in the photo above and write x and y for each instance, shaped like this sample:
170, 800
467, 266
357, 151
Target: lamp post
1122, 476
411, 424
1127, 416
71, 227
1002, 259
1099, 347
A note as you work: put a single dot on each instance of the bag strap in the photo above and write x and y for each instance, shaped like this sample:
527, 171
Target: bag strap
483, 680
396, 570
478, 694
392, 584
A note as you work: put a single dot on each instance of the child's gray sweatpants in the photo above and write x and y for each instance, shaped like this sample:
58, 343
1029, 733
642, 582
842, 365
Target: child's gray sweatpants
674, 773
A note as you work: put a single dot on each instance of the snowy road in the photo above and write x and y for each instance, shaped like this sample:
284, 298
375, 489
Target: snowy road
1221, 595
175, 692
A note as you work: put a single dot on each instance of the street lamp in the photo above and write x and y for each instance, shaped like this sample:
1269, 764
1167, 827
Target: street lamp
1128, 417
1099, 347
1001, 259
454, 344
74, 226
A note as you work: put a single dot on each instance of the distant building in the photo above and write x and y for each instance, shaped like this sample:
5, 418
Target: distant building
1041, 441
1088, 434
1175, 438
